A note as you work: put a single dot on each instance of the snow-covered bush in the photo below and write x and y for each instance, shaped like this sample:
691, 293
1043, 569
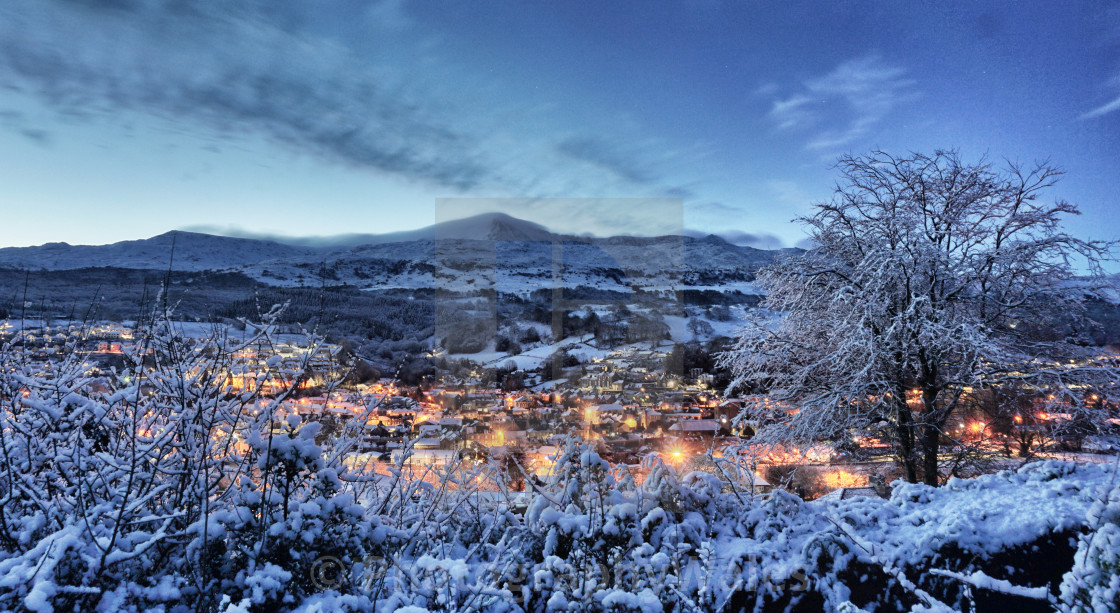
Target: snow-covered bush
1093, 584
178, 485
171, 480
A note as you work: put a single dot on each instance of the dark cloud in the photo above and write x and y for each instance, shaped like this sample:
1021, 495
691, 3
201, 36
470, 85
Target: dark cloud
17, 122
716, 209
235, 69
606, 156
37, 136
679, 191
762, 240
381, 96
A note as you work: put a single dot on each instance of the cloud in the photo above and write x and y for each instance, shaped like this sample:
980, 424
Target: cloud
762, 240
679, 191
239, 232
234, 69
788, 193
602, 154
850, 100
768, 88
1104, 109
234, 231
714, 214
715, 209
379, 93
1110, 26
35, 135
793, 112
19, 123
388, 14
1108, 107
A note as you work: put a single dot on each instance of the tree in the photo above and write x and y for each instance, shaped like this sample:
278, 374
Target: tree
698, 327
931, 277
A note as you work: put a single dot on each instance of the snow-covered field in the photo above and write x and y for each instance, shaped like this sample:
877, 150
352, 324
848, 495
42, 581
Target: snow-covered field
585, 350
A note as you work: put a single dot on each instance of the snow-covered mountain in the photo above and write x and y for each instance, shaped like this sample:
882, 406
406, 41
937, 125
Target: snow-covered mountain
492, 226
183, 251
485, 251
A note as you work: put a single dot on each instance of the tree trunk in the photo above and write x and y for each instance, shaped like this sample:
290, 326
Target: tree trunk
906, 439
931, 437
933, 419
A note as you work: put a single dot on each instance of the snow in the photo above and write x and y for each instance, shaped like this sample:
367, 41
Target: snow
982, 580
534, 357
193, 252
274, 505
918, 518
491, 250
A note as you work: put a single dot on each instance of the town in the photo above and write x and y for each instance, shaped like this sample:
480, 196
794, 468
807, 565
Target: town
626, 401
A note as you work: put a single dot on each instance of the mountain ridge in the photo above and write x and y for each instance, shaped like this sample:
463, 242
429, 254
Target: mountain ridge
492, 249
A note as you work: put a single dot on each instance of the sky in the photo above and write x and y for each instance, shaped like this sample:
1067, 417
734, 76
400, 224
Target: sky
124, 119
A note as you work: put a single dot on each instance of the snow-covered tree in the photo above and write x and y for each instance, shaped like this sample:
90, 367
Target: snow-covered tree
931, 278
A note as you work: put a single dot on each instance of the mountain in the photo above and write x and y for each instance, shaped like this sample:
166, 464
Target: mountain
192, 251
492, 250
490, 226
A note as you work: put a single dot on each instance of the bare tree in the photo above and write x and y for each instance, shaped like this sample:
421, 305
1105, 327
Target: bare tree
931, 277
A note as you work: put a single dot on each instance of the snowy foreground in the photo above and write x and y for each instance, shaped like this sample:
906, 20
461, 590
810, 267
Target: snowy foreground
163, 487
683, 546
597, 545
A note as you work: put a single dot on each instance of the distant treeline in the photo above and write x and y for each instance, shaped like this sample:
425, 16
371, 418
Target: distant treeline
369, 319
122, 294
383, 315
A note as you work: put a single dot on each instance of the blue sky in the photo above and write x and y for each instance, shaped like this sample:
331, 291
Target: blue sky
124, 119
